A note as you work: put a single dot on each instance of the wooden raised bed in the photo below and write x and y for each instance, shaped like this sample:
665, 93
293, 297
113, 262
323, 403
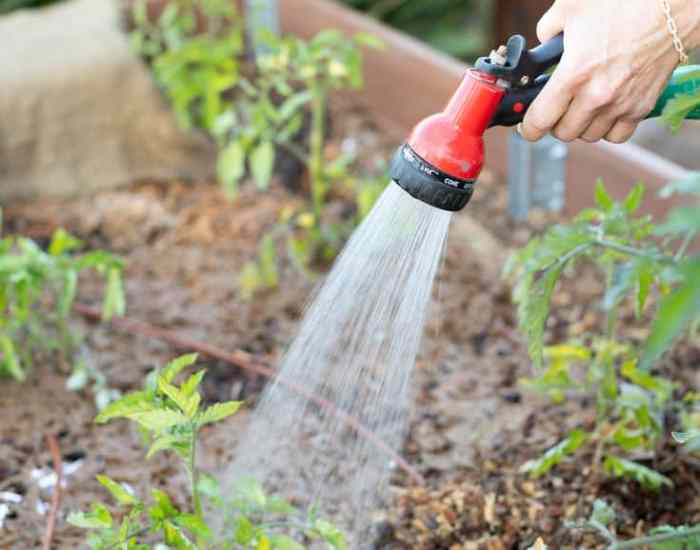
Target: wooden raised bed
409, 80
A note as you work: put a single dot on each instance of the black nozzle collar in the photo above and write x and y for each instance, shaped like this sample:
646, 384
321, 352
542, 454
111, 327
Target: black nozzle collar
427, 183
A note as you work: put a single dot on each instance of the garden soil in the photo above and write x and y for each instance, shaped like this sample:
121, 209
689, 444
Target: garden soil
473, 424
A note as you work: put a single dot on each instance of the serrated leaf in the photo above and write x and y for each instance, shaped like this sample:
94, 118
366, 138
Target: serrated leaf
99, 517
682, 538
129, 404
119, 493
603, 513
163, 505
158, 420
294, 104
646, 477
555, 455
262, 163
172, 393
218, 412
176, 366
162, 443
192, 405
192, 383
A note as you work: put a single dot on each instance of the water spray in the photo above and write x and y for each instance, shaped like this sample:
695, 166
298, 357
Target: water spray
443, 157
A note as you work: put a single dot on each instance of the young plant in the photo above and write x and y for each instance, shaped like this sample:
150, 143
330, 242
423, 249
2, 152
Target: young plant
37, 291
170, 416
292, 77
631, 402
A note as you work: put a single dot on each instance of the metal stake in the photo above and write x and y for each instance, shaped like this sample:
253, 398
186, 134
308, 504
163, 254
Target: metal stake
536, 175
261, 15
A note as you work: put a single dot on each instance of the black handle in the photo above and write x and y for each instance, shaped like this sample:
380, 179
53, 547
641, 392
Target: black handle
546, 55
529, 80
515, 104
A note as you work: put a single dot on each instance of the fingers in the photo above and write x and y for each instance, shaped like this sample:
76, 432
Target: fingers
546, 111
551, 23
576, 120
598, 129
621, 132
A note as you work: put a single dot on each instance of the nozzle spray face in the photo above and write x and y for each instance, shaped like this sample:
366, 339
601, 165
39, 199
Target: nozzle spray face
427, 183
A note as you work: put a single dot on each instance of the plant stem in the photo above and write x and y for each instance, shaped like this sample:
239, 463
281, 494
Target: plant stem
317, 139
653, 539
684, 246
194, 481
631, 251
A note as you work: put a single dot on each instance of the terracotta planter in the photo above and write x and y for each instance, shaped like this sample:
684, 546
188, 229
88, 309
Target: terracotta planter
409, 80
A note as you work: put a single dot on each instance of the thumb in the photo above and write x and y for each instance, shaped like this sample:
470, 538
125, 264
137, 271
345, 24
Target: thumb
552, 23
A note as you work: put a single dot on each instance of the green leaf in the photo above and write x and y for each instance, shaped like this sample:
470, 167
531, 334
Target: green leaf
268, 262
262, 162
634, 199
218, 412
251, 492
62, 242
555, 455
677, 109
331, 534
646, 477
176, 538
293, 104
163, 508
119, 493
192, 383
176, 366
173, 394
158, 420
98, 518
10, 359
602, 198
194, 524
244, 531
67, 297
163, 443
686, 437
250, 280
131, 403
675, 313
114, 302
230, 167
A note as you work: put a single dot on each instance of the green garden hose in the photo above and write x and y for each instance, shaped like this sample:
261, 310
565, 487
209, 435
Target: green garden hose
684, 82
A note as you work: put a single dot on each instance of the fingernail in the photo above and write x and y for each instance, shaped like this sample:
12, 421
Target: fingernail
519, 128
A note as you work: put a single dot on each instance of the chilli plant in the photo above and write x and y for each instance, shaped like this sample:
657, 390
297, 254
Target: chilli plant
37, 291
170, 416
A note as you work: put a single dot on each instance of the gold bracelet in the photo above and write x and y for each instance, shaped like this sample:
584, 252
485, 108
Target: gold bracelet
673, 29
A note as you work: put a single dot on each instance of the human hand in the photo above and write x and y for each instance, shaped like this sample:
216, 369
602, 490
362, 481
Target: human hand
618, 58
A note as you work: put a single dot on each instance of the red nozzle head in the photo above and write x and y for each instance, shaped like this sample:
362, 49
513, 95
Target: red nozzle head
445, 153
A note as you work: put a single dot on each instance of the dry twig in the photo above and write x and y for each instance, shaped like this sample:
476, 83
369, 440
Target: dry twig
55, 451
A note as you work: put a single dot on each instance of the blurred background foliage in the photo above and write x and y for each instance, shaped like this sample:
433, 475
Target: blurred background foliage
462, 28
11, 5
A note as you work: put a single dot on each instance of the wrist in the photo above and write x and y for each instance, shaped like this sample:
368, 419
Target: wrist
686, 13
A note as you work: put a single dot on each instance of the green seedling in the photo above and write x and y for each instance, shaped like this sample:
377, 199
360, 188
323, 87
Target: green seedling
170, 417
37, 291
